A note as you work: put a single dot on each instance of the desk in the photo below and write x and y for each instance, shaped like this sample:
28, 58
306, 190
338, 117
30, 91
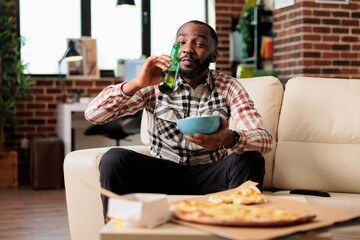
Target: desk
64, 123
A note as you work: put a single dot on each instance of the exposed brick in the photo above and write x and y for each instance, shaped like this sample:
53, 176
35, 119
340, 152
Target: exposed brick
296, 55
311, 37
44, 98
25, 129
311, 54
355, 31
355, 63
83, 83
349, 39
322, 46
306, 63
341, 63
341, 14
311, 21
311, 70
329, 21
53, 90
330, 55
46, 128
306, 12
350, 6
35, 105
35, 121
36, 90
321, 29
44, 83
44, 113
322, 63
331, 38
340, 47
24, 114
307, 46
331, 6
294, 15
306, 29
310, 4
350, 22
349, 55
355, 15
319, 13
349, 71
340, 30
330, 70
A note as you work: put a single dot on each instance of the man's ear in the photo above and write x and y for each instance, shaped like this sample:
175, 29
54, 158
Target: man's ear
214, 56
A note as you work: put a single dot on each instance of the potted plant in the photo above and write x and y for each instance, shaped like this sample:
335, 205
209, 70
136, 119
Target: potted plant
14, 85
247, 31
120, 67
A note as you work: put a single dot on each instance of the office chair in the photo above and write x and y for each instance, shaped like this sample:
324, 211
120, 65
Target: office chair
119, 128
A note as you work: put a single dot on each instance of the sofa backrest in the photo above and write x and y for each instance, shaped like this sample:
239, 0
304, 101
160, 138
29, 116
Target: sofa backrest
319, 135
267, 93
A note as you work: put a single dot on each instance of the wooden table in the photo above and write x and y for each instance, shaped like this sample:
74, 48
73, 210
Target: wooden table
172, 231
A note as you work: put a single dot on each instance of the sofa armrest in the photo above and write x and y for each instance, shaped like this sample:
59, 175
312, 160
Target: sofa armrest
84, 205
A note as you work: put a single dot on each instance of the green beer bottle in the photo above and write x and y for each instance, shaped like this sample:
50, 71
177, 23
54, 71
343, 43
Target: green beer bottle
168, 78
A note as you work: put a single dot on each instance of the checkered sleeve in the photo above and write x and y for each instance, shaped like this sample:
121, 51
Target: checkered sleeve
112, 103
248, 122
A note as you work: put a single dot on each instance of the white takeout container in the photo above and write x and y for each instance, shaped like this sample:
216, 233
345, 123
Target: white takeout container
140, 209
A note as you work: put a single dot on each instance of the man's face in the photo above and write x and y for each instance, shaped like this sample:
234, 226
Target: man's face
197, 50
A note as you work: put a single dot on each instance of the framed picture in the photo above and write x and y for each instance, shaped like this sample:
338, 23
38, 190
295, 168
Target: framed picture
283, 3
86, 68
333, 1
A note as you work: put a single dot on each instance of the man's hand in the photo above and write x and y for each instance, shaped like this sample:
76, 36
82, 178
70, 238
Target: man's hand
149, 74
222, 137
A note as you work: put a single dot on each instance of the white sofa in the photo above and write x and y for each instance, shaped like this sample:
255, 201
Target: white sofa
315, 123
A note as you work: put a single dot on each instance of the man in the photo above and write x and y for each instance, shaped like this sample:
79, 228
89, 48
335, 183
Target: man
182, 164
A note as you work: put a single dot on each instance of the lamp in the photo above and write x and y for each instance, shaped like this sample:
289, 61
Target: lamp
71, 54
120, 3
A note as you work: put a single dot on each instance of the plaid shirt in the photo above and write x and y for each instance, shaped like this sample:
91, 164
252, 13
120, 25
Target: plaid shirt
219, 95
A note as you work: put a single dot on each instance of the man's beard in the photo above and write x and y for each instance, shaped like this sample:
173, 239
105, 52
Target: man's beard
190, 74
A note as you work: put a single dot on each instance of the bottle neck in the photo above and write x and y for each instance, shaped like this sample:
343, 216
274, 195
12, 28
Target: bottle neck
174, 55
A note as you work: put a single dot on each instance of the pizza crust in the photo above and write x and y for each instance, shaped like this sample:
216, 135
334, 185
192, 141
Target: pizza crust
237, 215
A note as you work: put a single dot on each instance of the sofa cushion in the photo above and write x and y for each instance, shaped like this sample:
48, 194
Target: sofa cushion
319, 136
267, 94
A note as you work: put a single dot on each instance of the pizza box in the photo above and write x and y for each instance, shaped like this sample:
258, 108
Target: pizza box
140, 209
136, 209
325, 217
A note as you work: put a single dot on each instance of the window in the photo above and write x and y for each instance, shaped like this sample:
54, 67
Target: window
117, 31
45, 29
46, 25
165, 21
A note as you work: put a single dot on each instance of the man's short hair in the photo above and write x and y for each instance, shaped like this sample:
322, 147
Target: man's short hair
213, 34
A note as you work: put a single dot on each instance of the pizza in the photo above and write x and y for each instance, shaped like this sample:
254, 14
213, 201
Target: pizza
230, 214
247, 195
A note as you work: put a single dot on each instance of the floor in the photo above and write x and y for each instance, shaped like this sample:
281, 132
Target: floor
33, 214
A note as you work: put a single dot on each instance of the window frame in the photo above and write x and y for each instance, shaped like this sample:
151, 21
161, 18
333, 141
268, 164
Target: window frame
85, 15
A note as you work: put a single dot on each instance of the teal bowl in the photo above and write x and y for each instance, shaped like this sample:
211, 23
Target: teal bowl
203, 125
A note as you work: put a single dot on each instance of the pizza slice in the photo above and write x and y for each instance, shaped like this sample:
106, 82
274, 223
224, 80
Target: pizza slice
247, 195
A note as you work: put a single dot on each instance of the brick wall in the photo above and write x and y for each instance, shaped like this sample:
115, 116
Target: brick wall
37, 114
225, 10
319, 40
